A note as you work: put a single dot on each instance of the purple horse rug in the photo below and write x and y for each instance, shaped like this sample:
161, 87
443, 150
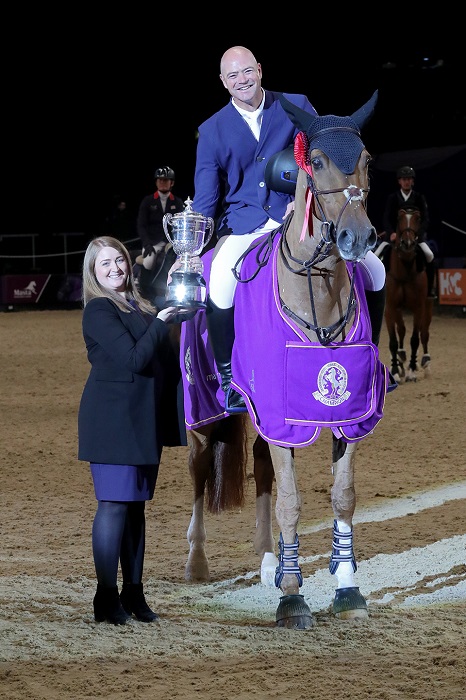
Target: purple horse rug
292, 387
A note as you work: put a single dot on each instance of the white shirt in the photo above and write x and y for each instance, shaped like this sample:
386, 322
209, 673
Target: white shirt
253, 119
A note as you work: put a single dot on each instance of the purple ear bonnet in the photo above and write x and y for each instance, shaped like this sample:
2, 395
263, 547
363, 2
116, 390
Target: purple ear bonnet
338, 137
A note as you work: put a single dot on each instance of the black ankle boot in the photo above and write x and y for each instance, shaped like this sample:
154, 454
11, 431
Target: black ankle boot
221, 331
107, 606
133, 601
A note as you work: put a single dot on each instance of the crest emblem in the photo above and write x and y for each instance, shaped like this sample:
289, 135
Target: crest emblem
332, 382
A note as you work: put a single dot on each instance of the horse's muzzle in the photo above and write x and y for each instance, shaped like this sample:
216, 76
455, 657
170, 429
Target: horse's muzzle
353, 245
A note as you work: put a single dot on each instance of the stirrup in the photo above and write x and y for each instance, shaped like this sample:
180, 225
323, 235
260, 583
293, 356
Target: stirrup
233, 397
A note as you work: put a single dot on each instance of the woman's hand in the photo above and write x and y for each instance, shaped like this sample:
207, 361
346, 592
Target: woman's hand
171, 312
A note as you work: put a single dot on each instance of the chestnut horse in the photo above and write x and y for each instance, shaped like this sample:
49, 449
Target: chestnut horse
301, 371
407, 291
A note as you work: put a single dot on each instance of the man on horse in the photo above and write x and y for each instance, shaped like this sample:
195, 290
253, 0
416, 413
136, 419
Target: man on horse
234, 147
407, 196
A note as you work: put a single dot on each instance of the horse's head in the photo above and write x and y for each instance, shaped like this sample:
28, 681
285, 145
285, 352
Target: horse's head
333, 165
407, 229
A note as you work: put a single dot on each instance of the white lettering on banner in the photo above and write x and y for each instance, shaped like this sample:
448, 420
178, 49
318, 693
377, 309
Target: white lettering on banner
26, 292
450, 282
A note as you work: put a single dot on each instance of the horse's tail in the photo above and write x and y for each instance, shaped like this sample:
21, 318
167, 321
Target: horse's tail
227, 477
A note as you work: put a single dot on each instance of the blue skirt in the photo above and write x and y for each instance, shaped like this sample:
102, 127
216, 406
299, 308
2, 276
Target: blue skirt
124, 482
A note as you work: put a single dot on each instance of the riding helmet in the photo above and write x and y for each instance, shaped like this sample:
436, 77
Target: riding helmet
165, 172
405, 171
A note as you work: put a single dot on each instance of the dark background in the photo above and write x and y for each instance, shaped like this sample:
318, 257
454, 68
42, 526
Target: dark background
93, 105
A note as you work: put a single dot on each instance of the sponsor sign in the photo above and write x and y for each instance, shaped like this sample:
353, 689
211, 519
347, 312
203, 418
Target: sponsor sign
452, 286
39, 289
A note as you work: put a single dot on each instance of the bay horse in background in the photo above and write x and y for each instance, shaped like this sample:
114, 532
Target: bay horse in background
406, 288
304, 281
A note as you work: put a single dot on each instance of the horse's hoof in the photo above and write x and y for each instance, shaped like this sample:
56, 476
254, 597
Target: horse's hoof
425, 362
349, 604
294, 613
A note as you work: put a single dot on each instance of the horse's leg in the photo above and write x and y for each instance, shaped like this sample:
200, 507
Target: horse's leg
396, 366
414, 342
217, 464
292, 611
264, 543
348, 602
200, 464
401, 332
427, 320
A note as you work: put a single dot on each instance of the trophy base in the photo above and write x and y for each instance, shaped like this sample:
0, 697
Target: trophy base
187, 290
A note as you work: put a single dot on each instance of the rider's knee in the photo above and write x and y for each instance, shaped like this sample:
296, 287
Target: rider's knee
428, 254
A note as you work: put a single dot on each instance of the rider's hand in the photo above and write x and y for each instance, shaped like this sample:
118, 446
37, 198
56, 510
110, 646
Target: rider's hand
289, 209
148, 250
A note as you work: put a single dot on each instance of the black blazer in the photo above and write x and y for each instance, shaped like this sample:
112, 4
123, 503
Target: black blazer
130, 404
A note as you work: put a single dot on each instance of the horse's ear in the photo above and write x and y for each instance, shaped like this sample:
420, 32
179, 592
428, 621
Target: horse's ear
364, 113
300, 118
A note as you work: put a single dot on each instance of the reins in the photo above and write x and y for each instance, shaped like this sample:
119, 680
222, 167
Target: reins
325, 334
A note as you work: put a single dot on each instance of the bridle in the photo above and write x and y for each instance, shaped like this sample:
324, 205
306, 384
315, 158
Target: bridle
405, 246
325, 334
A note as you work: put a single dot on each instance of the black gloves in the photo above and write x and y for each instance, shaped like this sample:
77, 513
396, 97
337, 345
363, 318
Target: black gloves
148, 250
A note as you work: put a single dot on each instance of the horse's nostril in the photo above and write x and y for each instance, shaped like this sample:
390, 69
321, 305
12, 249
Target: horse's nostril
372, 240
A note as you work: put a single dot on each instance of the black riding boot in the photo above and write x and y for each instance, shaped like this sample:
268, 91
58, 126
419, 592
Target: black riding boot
430, 273
107, 606
376, 308
133, 600
145, 280
221, 332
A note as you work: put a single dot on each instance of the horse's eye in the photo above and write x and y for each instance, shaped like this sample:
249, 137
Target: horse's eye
316, 163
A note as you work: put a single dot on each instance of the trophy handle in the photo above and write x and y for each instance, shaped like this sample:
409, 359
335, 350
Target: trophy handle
165, 223
211, 230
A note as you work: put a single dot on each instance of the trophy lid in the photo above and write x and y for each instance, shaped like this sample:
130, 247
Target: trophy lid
188, 214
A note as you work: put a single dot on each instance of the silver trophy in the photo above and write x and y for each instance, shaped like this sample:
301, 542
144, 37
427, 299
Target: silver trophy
188, 232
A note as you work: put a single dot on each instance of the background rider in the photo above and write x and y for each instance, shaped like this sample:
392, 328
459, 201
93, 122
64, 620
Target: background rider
151, 211
407, 196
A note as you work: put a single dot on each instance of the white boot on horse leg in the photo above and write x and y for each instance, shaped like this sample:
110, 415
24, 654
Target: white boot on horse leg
268, 568
348, 602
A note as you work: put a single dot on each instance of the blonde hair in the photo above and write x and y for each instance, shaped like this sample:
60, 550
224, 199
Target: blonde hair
91, 289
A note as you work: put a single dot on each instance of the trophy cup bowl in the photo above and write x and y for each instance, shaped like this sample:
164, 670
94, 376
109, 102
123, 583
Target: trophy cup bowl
188, 232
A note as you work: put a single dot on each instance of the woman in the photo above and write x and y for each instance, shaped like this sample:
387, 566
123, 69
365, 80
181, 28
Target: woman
130, 409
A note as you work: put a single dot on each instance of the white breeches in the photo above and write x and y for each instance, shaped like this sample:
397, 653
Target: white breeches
222, 281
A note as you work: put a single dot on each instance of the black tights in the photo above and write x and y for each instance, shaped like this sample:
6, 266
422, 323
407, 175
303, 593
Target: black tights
119, 535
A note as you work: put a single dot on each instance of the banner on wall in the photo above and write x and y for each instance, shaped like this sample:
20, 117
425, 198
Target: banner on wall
40, 289
452, 286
